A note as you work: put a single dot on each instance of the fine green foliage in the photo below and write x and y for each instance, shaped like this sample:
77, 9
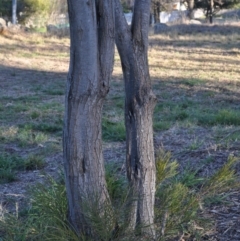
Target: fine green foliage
178, 206
223, 179
165, 167
45, 220
189, 178
179, 196
161, 125
34, 162
177, 211
10, 164
215, 199
113, 131
116, 183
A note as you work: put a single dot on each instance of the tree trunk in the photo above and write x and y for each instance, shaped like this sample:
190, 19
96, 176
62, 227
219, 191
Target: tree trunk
191, 8
14, 12
156, 11
211, 12
91, 63
132, 46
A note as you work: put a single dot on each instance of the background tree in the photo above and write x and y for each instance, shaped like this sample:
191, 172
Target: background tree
91, 64
212, 7
158, 6
28, 8
127, 5
155, 10
14, 11
132, 44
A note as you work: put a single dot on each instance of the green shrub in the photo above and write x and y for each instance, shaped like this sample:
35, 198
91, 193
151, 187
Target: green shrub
179, 196
177, 210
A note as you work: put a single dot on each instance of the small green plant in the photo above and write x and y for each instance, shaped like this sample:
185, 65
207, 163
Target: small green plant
116, 184
35, 114
182, 115
165, 166
179, 200
189, 178
177, 210
8, 166
34, 162
193, 82
223, 179
178, 206
51, 127
7, 175
208, 160
215, 199
113, 131
195, 144
26, 136
228, 117
161, 125
221, 117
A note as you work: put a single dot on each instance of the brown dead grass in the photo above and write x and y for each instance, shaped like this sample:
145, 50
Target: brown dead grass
208, 60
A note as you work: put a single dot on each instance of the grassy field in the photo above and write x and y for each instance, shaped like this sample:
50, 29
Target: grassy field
195, 76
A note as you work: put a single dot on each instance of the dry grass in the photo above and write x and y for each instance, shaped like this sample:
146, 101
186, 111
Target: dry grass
195, 76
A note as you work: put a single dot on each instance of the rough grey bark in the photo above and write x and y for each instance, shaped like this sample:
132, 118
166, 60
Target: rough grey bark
91, 64
132, 44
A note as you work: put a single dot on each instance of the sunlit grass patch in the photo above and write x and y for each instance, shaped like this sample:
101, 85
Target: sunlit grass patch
228, 117
27, 136
23, 135
11, 163
221, 117
193, 82
8, 133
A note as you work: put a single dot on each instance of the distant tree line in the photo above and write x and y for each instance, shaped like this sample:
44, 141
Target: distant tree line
211, 7
27, 8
